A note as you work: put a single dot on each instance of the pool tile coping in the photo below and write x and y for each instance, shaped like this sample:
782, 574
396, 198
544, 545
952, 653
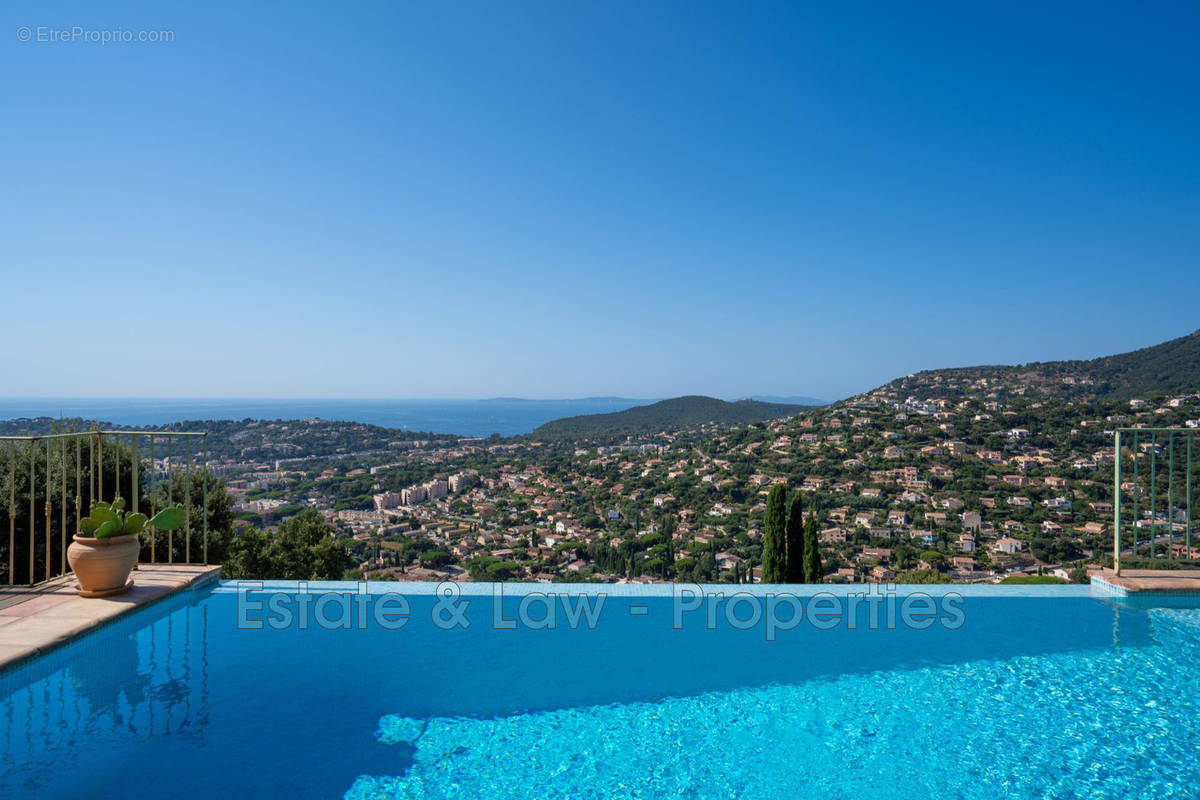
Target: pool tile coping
518, 589
1157, 583
51, 618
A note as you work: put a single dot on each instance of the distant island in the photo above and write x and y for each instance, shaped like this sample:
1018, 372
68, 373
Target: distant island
603, 399
795, 400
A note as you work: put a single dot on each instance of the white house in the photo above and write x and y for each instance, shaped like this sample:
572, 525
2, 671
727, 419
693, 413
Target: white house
1009, 545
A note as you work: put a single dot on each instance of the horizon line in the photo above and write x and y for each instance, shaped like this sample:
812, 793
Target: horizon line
493, 398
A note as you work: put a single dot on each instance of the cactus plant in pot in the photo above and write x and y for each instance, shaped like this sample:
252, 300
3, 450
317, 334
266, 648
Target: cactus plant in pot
106, 548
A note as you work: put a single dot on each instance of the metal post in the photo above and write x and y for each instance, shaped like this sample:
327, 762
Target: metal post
32, 518
1137, 488
133, 483
187, 500
204, 497
1153, 494
49, 494
78, 471
153, 469
1170, 493
1117, 505
62, 570
12, 509
170, 496
1188, 533
100, 460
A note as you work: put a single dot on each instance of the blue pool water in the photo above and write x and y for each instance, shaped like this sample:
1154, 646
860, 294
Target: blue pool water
1034, 692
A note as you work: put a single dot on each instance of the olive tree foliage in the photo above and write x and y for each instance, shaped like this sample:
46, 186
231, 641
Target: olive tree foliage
201, 495
302, 548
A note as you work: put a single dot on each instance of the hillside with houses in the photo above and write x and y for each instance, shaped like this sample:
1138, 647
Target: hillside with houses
1172, 367
945, 475
973, 489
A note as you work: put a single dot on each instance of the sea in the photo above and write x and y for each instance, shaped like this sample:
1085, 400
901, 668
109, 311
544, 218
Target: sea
505, 416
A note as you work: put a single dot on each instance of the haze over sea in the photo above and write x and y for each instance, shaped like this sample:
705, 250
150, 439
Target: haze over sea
505, 416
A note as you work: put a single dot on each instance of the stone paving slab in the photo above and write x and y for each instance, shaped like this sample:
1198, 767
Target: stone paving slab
38, 631
1153, 581
35, 604
40, 621
11, 595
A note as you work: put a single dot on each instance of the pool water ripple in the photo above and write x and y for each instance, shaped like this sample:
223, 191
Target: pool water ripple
1122, 723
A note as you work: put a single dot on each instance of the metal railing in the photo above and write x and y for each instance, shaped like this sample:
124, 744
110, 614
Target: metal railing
1147, 452
51, 480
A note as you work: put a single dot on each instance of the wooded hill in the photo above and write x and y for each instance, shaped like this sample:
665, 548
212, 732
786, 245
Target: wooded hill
666, 415
1169, 368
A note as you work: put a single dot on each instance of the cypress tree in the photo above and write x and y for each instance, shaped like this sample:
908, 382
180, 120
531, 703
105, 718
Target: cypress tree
774, 559
814, 572
794, 546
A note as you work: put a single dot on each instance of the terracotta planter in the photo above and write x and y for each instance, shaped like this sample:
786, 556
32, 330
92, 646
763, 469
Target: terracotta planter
102, 566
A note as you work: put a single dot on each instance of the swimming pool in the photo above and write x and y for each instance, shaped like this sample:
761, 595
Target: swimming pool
983, 692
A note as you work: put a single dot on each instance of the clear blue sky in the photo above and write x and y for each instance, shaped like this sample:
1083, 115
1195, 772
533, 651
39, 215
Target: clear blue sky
563, 199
